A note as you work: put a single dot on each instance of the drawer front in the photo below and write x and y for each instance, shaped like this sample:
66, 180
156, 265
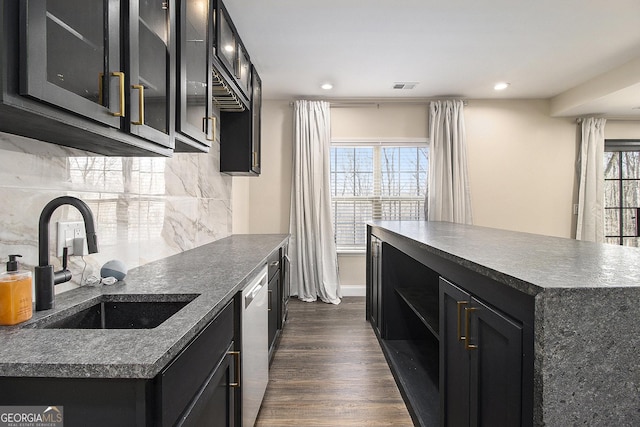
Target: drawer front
180, 381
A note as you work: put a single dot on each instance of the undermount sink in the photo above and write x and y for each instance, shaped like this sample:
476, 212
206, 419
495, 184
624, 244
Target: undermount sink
120, 312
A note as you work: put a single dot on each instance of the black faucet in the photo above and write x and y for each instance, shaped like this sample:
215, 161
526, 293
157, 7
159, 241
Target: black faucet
45, 277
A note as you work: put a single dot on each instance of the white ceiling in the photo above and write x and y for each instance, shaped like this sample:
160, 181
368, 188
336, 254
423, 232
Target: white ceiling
461, 48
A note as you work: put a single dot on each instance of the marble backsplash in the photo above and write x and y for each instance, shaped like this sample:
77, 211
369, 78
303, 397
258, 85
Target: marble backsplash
145, 208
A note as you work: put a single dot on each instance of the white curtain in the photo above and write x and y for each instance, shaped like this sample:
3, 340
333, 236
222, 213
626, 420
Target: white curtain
590, 224
448, 197
314, 260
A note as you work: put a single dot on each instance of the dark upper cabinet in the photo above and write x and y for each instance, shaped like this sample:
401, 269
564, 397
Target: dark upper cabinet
231, 54
70, 57
481, 362
130, 78
94, 74
226, 43
150, 78
243, 70
256, 124
196, 119
240, 146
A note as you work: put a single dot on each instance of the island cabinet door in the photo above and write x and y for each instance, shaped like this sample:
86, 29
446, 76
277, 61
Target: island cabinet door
454, 358
495, 344
375, 286
481, 362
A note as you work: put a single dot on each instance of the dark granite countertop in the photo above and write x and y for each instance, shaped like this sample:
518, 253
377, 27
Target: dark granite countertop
216, 271
530, 263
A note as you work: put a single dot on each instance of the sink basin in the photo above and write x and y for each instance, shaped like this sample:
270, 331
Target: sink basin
120, 312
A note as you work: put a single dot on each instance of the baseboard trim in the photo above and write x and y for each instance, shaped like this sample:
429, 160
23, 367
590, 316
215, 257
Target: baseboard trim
353, 290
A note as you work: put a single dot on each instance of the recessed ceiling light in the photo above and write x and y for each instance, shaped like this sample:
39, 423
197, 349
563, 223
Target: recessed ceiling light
501, 86
327, 86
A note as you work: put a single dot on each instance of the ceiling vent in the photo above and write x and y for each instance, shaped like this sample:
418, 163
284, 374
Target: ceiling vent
405, 85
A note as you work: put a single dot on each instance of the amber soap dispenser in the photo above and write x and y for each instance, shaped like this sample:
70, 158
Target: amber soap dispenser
15, 294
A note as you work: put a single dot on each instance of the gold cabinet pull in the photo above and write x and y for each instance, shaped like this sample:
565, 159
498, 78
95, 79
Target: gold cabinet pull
120, 76
460, 305
140, 104
236, 356
467, 324
213, 127
255, 159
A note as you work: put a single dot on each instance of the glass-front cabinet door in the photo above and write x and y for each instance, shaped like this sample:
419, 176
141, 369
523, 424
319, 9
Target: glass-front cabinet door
256, 112
150, 70
226, 41
70, 56
195, 118
243, 71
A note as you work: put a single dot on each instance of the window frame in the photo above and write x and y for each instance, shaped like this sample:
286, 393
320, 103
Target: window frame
619, 146
373, 142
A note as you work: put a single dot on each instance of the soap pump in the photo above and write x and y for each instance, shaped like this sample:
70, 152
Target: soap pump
15, 294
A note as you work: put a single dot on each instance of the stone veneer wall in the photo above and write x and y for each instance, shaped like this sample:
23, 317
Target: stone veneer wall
145, 208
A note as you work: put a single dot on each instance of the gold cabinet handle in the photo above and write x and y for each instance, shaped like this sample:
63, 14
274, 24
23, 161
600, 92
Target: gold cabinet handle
213, 127
140, 104
120, 76
236, 356
255, 158
467, 322
460, 305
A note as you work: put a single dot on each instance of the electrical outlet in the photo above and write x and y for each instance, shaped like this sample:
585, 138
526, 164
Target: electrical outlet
67, 231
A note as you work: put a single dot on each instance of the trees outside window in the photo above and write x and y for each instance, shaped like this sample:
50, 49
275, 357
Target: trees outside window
622, 192
381, 181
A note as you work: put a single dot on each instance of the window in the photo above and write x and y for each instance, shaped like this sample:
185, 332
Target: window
381, 181
622, 192
127, 192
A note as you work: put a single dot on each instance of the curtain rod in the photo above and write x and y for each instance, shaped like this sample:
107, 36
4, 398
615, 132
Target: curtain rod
613, 119
376, 102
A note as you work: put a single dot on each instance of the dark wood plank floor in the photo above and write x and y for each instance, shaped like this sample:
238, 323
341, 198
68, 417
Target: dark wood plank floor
330, 371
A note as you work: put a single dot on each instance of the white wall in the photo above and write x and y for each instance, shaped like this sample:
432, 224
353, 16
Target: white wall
261, 204
241, 204
622, 129
521, 166
380, 121
271, 192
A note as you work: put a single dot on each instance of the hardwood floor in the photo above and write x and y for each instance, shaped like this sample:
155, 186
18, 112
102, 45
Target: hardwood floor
329, 371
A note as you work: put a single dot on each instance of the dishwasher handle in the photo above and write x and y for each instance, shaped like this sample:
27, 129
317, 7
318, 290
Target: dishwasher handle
251, 295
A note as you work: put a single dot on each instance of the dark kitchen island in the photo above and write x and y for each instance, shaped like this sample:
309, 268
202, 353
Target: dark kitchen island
491, 327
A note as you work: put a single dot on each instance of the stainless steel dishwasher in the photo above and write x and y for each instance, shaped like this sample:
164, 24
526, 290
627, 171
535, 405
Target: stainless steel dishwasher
255, 347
